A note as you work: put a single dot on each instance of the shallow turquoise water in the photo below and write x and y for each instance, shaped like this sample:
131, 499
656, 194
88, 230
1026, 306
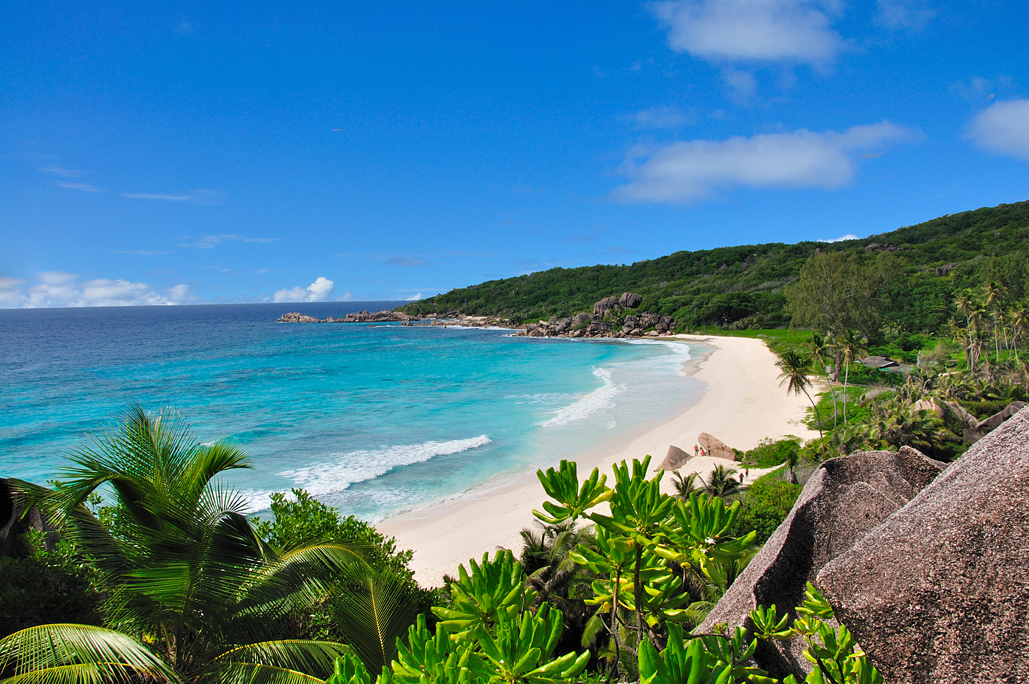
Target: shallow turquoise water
371, 419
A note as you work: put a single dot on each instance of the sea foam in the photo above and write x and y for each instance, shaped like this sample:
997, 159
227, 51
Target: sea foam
600, 398
358, 466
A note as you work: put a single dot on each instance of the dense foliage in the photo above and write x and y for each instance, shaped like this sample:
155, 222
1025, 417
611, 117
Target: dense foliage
302, 520
744, 287
47, 586
768, 501
190, 591
184, 584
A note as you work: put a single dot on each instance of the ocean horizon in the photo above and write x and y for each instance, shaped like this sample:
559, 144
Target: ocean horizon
373, 419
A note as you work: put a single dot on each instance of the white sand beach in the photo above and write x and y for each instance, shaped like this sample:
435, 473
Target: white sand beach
743, 404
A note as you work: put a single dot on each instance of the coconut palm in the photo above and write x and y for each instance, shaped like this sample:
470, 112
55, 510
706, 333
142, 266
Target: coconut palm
722, 482
966, 305
850, 349
820, 348
1019, 317
684, 486
184, 571
993, 296
794, 367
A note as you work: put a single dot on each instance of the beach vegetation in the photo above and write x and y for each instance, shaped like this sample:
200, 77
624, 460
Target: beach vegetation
299, 519
767, 502
913, 275
189, 589
770, 453
47, 585
722, 482
657, 559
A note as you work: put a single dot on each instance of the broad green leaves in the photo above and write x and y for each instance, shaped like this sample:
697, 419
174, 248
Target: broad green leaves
835, 654
572, 500
649, 546
491, 591
490, 634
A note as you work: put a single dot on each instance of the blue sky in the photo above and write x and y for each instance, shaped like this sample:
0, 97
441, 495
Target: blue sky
156, 152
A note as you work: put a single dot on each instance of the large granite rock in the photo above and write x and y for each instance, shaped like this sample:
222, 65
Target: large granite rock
675, 458
715, 447
939, 592
297, 317
628, 300
605, 305
844, 499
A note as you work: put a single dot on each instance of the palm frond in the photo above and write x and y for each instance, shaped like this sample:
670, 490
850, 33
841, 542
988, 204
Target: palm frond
287, 661
77, 654
254, 673
374, 614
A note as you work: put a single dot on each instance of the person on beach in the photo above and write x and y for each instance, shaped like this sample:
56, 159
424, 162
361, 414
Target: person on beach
741, 478
696, 450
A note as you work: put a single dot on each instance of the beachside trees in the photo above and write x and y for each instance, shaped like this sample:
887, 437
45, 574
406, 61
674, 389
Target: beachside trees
191, 591
795, 366
722, 482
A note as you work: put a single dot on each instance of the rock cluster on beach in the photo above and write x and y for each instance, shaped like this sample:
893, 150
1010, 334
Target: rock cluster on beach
359, 317
633, 324
923, 561
638, 324
436, 319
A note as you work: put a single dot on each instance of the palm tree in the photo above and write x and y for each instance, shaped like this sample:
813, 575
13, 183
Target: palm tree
556, 578
722, 482
993, 294
183, 569
850, 349
966, 305
684, 486
1019, 317
820, 348
794, 367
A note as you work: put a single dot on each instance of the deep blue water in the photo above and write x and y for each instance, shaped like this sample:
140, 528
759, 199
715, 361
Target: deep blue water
371, 419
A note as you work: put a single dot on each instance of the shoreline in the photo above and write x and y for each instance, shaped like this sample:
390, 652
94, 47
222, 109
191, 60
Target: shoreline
741, 405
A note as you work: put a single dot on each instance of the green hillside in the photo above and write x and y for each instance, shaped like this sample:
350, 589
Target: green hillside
742, 287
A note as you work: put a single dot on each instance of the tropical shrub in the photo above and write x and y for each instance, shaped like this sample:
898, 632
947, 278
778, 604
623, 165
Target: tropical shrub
301, 520
47, 586
765, 505
190, 591
658, 559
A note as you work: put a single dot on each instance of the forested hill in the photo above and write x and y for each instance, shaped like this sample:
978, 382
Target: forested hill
741, 287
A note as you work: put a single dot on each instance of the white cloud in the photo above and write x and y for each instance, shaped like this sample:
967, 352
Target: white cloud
693, 170
415, 297
1002, 128
842, 238
197, 196
978, 88
212, 241
901, 14
742, 83
752, 30
658, 117
61, 172
11, 294
320, 290
405, 261
64, 289
194, 196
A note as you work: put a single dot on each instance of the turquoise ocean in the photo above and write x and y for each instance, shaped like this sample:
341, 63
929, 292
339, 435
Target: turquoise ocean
372, 419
